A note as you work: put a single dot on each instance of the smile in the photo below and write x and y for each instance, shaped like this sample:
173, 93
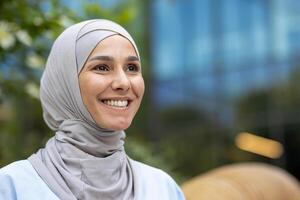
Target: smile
116, 103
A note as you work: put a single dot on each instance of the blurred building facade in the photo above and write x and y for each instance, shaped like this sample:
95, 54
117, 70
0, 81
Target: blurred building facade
218, 55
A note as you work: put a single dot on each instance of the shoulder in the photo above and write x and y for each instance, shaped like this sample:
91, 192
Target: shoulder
155, 182
22, 169
19, 180
151, 173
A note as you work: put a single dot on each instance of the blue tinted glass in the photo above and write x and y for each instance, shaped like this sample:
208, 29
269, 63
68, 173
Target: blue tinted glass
246, 44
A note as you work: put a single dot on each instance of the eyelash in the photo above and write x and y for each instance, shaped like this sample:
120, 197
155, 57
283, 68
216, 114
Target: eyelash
136, 67
103, 67
98, 68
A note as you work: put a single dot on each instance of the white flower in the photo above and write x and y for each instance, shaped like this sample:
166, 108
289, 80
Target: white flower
35, 61
24, 37
33, 90
5, 26
65, 21
37, 21
49, 35
7, 39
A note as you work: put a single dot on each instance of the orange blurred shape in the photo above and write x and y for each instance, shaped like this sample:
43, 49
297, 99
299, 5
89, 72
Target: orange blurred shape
259, 145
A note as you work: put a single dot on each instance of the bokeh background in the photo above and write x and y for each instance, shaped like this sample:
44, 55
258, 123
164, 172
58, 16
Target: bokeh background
222, 79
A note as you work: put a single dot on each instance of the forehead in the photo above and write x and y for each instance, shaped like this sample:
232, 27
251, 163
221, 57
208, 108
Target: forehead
115, 44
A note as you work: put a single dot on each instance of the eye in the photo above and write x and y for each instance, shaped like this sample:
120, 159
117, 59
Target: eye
101, 68
132, 68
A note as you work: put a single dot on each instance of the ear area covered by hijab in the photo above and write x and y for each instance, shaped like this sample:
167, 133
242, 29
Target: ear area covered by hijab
67, 162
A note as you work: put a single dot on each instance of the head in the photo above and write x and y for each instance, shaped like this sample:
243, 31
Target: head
93, 74
111, 83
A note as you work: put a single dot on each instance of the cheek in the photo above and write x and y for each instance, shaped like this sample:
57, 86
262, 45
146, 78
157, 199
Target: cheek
90, 86
139, 86
83, 85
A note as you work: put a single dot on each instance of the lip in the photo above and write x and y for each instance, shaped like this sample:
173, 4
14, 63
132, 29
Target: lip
116, 98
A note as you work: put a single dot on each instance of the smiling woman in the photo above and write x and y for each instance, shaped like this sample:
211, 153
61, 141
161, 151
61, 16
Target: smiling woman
90, 91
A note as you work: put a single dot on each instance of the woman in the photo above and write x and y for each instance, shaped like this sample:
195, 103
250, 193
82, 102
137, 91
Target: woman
90, 91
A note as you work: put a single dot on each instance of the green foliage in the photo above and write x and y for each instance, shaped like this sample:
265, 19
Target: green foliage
27, 30
189, 141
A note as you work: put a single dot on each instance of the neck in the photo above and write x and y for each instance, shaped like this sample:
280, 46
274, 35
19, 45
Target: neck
89, 140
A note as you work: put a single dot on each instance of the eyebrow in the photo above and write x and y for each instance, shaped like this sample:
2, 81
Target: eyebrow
110, 58
105, 58
133, 58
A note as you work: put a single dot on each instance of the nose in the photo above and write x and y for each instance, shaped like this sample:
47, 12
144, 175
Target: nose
120, 81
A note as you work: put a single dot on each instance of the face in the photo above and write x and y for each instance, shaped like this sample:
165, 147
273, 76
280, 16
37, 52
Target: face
111, 83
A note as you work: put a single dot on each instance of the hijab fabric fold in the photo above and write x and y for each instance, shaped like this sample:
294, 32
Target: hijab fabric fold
82, 160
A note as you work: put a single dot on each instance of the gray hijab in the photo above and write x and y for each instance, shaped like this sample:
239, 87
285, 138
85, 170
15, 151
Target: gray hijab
82, 160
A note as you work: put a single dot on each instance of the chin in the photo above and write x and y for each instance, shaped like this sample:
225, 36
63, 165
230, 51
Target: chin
117, 126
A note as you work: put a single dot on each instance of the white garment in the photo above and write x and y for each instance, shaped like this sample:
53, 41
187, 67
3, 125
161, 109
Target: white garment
20, 181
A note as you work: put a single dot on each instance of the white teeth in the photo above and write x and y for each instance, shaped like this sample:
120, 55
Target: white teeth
116, 103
